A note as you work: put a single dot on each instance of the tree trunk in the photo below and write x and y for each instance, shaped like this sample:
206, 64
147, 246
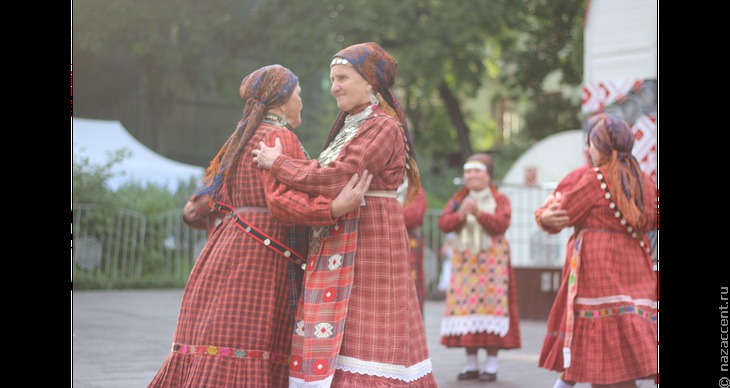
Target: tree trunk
454, 109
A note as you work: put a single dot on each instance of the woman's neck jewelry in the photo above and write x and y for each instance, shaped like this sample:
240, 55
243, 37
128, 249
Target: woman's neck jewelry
276, 120
357, 119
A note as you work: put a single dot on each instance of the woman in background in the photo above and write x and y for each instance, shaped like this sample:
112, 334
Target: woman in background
481, 299
414, 214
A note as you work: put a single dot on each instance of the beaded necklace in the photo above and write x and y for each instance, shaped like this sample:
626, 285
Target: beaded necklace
281, 122
276, 120
348, 131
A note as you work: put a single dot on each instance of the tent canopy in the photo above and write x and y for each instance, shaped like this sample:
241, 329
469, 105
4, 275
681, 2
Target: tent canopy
548, 160
98, 139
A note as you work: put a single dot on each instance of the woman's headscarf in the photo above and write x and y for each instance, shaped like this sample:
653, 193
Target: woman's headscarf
484, 159
480, 158
614, 140
265, 88
379, 69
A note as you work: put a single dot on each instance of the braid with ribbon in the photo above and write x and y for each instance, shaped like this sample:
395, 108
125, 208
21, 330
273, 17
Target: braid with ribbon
614, 140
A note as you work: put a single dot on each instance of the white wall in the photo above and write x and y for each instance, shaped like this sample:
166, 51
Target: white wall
552, 158
620, 40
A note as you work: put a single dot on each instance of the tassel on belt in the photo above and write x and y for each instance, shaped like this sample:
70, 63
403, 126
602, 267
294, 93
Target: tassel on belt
382, 193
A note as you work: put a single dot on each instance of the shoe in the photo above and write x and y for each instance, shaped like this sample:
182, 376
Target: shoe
486, 376
468, 375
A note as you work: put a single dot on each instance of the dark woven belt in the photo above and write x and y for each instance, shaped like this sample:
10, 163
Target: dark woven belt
262, 237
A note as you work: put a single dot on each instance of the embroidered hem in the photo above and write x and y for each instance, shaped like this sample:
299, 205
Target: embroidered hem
223, 351
475, 324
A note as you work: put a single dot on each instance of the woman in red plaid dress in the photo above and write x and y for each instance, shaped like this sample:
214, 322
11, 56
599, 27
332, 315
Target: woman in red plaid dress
358, 322
481, 299
602, 328
414, 213
237, 311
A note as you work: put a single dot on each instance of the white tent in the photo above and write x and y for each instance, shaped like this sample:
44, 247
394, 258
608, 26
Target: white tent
549, 160
527, 183
97, 139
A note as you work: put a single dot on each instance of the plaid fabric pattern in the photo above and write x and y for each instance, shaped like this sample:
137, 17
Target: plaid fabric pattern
413, 214
238, 294
563, 186
616, 276
266, 87
384, 340
207, 216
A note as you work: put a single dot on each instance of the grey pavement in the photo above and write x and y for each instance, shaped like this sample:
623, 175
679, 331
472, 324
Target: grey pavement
120, 338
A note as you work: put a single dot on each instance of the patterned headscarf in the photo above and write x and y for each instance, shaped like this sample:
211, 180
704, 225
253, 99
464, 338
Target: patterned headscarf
265, 88
482, 158
613, 139
379, 69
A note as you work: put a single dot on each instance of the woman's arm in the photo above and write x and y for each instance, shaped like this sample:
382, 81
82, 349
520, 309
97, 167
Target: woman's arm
584, 195
497, 223
293, 207
451, 219
414, 212
549, 217
373, 148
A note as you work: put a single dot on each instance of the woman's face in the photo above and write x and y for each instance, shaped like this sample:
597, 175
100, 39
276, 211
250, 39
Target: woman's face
292, 109
595, 155
476, 179
349, 88
586, 147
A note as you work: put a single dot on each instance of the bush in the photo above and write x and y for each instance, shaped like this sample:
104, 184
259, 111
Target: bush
101, 208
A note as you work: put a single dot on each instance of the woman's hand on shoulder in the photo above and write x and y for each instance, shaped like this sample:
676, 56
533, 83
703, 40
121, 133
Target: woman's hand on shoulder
265, 156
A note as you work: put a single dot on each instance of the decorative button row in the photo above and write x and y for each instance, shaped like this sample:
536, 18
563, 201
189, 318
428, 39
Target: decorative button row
612, 205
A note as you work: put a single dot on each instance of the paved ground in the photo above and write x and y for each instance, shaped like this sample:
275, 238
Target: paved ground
120, 338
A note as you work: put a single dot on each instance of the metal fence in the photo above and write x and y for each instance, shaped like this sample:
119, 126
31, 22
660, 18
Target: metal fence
120, 244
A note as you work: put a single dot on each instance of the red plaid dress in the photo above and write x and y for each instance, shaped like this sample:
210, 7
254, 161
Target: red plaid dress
235, 323
468, 317
384, 339
414, 213
614, 334
565, 185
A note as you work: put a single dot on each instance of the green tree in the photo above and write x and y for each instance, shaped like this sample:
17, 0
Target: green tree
90, 179
151, 63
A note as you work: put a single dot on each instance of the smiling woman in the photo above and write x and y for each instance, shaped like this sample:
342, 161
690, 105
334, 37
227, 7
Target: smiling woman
358, 269
483, 315
237, 311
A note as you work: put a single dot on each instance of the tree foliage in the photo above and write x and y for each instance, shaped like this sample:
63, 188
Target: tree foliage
152, 63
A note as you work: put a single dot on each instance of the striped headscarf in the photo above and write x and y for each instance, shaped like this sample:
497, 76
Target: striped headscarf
614, 140
379, 69
265, 88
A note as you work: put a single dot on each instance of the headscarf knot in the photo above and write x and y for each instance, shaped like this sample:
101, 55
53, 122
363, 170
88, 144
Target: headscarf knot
265, 88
